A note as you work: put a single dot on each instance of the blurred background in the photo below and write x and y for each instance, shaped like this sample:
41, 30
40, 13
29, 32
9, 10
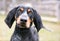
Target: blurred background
49, 10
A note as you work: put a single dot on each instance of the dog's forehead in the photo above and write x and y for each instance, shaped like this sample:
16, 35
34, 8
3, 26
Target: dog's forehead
26, 5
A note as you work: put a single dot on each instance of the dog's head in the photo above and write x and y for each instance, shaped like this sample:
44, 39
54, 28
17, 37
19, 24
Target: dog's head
24, 16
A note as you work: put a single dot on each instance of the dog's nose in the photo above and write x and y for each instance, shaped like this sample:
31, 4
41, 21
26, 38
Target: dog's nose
23, 20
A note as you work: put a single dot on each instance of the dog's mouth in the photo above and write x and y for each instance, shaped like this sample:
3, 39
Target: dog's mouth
22, 24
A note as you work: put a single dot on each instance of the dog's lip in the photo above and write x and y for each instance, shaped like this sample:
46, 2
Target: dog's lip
22, 24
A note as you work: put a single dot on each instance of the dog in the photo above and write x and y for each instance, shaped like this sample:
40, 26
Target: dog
25, 16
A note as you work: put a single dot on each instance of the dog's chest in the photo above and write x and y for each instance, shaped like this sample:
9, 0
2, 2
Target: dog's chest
25, 35
23, 32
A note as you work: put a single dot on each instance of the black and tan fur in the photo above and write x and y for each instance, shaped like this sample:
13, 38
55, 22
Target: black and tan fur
24, 17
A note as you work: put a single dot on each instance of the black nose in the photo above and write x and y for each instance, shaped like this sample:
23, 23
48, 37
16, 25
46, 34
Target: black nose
23, 20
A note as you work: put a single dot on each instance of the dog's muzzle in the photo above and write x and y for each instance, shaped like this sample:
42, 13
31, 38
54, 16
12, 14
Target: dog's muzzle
23, 22
23, 19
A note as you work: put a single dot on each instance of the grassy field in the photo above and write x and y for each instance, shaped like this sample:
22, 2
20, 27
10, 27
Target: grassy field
5, 32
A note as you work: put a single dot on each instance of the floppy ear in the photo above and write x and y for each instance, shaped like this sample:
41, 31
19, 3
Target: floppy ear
10, 17
37, 20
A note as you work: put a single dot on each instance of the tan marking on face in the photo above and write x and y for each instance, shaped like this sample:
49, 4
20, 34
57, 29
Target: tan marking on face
17, 20
28, 23
29, 11
21, 9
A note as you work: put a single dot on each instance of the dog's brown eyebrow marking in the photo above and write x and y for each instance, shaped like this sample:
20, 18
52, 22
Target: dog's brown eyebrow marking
21, 9
29, 10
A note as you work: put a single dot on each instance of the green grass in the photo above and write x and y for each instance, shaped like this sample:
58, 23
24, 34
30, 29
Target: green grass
5, 32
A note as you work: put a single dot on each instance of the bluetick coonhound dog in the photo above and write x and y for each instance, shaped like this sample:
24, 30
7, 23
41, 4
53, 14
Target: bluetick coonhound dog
24, 16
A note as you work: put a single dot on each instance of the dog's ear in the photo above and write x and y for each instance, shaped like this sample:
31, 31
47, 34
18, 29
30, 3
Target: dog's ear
11, 17
37, 20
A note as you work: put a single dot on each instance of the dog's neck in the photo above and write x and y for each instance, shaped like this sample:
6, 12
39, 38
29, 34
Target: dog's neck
22, 31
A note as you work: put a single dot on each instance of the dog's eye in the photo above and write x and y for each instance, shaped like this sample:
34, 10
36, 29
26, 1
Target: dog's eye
21, 9
29, 11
